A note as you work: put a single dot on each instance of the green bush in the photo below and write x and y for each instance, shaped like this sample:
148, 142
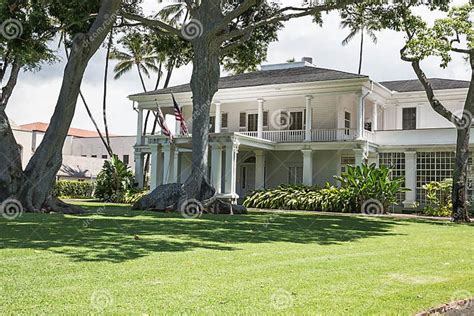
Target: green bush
74, 189
114, 181
358, 185
438, 198
367, 182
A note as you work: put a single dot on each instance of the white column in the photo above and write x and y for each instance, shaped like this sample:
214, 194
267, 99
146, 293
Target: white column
360, 117
139, 169
375, 117
359, 156
260, 118
231, 152
156, 167
307, 166
410, 178
140, 127
174, 174
218, 121
177, 127
259, 169
216, 166
309, 118
168, 162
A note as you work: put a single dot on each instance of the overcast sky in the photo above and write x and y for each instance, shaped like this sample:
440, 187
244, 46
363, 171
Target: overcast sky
36, 94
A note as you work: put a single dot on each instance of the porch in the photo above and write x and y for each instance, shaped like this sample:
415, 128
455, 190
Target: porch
240, 163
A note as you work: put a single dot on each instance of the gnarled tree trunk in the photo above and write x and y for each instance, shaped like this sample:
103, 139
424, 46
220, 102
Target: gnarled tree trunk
460, 210
204, 85
34, 188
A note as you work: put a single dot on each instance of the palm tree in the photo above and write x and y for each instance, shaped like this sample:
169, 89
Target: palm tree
357, 20
138, 54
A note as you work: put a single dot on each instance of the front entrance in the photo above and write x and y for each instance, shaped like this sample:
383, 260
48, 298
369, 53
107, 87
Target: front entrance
246, 177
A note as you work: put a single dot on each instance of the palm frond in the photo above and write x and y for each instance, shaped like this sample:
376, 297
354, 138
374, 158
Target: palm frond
349, 37
172, 13
121, 69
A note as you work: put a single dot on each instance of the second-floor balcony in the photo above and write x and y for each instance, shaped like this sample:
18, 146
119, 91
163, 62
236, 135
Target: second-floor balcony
315, 135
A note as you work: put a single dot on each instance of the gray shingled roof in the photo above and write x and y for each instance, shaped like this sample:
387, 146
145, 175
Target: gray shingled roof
269, 77
415, 85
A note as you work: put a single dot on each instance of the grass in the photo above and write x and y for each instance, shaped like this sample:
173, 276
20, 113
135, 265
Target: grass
261, 263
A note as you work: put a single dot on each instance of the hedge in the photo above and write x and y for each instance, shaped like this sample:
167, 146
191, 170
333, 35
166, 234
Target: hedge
74, 189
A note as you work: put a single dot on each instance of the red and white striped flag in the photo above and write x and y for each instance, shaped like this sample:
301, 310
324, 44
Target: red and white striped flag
162, 122
179, 117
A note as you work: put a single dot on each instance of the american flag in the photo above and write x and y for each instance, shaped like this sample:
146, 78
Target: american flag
179, 117
161, 120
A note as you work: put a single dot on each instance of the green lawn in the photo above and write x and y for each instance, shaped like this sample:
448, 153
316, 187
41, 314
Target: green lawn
265, 263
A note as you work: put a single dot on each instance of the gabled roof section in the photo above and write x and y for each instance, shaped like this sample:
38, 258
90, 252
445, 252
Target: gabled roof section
269, 77
415, 84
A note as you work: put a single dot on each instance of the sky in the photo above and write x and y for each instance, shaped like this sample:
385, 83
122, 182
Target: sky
36, 93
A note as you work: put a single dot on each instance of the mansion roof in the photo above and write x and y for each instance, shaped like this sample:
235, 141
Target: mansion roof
415, 84
269, 77
309, 73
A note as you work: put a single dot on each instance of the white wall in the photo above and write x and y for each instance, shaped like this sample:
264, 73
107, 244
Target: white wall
426, 116
121, 145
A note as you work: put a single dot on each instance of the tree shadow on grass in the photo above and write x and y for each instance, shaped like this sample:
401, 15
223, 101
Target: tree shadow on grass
118, 235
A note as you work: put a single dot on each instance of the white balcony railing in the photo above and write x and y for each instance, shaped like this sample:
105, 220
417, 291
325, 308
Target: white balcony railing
333, 135
281, 136
370, 136
317, 135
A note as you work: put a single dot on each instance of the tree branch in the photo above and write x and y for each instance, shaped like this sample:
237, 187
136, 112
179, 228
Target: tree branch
434, 101
154, 24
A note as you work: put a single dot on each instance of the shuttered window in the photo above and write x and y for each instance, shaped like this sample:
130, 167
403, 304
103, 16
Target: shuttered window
224, 120
243, 120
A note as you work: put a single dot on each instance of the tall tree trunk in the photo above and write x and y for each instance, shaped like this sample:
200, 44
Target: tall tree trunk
204, 84
463, 124
89, 113
104, 100
460, 210
11, 172
40, 173
361, 52
7, 90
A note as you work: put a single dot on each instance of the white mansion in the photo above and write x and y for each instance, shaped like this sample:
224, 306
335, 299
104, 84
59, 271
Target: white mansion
297, 123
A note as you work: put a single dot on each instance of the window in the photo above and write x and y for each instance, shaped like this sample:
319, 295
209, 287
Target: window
265, 119
296, 121
347, 122
84, 156
244, 177
94, 156
224, 123
104, 156
347, 161
252, 122
409, 118
295, 175
432, 166
126, 159
212, 124
243, 120
396, 162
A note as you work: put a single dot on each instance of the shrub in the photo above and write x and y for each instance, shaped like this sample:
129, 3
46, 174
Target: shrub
367, 182
298, 197
114, 181
438, 198
358, 185
132, 197
74, 189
